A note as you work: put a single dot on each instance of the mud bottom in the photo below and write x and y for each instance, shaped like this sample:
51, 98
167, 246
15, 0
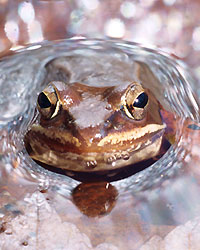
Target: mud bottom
110, 175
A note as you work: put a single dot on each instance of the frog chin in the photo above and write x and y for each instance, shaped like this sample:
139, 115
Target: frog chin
91, 162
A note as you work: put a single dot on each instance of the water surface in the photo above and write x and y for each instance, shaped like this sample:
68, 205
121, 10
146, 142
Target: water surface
134, 208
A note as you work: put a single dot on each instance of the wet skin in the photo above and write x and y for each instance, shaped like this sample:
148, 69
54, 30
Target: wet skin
85, 128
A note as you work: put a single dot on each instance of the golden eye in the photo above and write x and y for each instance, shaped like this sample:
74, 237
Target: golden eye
135, 101
47, 103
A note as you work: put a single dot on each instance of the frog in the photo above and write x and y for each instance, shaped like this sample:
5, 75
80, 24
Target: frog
85, 128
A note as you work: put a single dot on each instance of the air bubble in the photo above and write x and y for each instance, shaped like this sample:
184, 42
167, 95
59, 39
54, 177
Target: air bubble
91, 164
111, 159
125, 156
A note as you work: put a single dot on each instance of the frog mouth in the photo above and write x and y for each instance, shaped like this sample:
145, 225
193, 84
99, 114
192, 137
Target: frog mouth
64, 141
98, 161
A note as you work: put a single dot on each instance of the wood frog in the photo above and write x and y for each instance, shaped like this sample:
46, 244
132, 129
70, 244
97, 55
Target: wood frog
86, 128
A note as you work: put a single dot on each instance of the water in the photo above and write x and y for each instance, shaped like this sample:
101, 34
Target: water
24, 74
41, 200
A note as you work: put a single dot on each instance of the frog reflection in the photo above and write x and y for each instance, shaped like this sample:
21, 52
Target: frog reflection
95, 199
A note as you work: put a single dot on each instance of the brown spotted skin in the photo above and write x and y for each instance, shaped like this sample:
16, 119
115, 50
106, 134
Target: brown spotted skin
89, 128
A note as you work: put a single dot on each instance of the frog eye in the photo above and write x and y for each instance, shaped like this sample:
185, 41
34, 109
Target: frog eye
48, 104
43, 101
135, 102
141, 101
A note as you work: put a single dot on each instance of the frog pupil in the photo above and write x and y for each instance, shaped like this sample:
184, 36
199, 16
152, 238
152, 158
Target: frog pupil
43, 101
141, 101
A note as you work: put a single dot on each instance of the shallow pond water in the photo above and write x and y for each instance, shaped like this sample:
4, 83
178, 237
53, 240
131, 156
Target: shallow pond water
27, 188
